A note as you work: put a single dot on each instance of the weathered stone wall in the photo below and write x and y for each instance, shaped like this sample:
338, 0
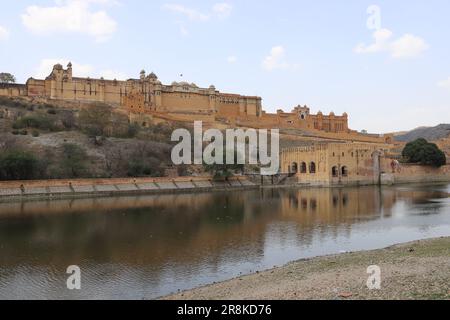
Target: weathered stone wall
410, 173
334, 163
331, 123
13, 90
77, 187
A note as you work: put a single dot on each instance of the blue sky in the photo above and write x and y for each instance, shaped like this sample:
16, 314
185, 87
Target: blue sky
319, 53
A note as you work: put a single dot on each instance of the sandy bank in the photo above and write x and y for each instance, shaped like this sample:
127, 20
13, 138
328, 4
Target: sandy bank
417, 270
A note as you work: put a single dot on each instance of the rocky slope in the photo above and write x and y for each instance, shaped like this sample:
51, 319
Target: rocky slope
430, 133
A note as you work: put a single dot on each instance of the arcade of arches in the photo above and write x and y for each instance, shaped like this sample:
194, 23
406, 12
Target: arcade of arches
334, 163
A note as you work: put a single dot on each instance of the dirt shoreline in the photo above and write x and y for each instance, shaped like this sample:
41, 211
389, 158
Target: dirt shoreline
415, 270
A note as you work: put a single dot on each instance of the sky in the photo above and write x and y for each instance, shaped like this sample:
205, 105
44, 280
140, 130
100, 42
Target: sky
385, 63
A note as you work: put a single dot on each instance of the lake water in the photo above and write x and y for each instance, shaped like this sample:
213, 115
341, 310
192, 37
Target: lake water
144, 247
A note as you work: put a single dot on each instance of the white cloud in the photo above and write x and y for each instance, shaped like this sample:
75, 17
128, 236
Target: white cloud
276, 60
407, 46
191, 14
79, 70
218, 11
4, 33
232, 59
222, 10
183, 29
381, 42
444, 83
71, 16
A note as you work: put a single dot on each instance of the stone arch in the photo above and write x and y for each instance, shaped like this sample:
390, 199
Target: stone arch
344, 171
335, 172
312, 167
294, 167
303, 167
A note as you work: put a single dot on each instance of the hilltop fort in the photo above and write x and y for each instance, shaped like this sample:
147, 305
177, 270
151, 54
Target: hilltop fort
146, 98
139, 115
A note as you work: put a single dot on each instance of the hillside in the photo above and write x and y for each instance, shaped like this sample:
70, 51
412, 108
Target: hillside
43, 141
430, 133
39, 140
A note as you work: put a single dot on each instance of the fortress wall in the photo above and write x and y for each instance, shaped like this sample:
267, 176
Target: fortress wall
90, 90
191, 117
228, 110
352, 136
113, 92
411, 173
183, 117
311, 122
13, 90
79, 89
252, 109
328, 123
277, 121
36, 88
179, 101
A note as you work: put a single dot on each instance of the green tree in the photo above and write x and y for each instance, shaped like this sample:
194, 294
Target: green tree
7, 78
38, 121
18, 165
96, 118
223, 170
73, 161
145, 167
423, 152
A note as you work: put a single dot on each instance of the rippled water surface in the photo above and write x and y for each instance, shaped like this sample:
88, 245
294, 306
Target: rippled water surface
149, 246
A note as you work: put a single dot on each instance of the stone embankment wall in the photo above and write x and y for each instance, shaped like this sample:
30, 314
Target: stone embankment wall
416, 174
107, 187
111, 187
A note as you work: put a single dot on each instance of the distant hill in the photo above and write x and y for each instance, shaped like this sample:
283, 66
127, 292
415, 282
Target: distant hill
429, 133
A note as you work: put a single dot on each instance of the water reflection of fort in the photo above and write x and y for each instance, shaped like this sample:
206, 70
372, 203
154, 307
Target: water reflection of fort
181, 229
331, 205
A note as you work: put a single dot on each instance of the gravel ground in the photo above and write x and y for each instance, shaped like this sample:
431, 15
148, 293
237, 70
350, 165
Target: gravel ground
417, 270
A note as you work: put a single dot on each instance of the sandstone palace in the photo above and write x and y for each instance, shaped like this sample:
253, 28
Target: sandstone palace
147, 98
